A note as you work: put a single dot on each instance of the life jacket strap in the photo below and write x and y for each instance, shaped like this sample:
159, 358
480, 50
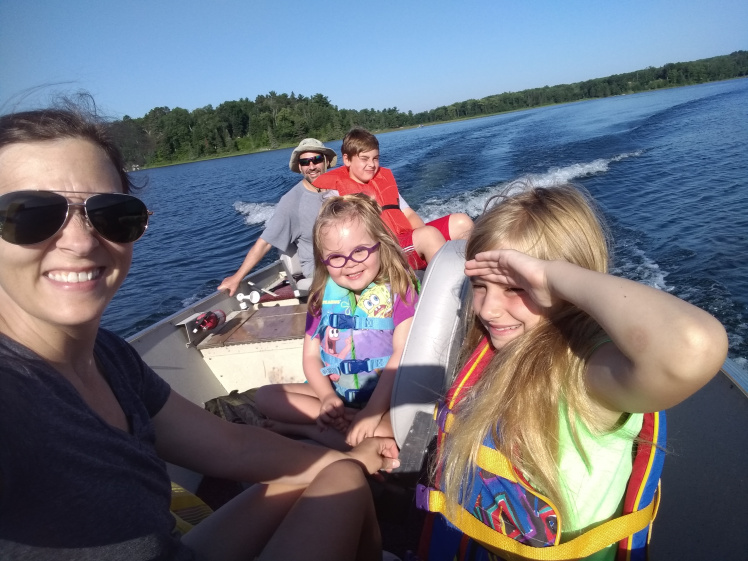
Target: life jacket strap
344, 321
354, 396
391, 207
350, 366
594, 540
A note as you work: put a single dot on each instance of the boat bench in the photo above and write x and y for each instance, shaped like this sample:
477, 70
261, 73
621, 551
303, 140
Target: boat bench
258, 346
272, 323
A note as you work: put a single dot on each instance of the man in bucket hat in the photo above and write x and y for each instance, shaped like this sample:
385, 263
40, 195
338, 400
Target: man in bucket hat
293, 219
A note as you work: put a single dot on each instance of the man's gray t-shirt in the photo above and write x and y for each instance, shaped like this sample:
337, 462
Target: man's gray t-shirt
293, 222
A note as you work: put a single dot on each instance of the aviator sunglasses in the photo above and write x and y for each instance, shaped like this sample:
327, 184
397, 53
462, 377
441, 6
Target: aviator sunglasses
31, 217
359, 255
318, 159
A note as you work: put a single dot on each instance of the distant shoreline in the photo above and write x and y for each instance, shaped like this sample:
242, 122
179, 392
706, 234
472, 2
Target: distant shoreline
287, 145
175, 136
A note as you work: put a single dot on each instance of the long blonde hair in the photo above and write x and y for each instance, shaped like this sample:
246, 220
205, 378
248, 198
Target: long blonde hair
517, 399
394, 268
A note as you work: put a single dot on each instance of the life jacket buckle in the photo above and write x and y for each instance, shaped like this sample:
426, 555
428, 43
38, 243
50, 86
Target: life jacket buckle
342, 321
352, 366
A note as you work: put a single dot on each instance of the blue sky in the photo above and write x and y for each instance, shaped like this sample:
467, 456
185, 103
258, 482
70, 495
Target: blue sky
414, 55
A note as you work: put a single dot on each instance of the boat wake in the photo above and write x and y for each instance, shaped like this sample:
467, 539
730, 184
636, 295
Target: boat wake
554, 176
633, 263
473, 202
255, 213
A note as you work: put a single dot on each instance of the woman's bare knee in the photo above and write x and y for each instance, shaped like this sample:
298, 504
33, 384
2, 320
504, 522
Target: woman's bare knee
333, 519
242, 527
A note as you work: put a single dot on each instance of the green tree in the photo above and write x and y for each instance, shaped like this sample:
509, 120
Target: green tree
166, 135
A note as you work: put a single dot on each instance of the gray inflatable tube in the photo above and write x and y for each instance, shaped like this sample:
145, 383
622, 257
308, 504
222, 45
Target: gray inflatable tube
431, 351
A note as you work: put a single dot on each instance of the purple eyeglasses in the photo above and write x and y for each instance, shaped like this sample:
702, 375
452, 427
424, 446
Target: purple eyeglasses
359, 255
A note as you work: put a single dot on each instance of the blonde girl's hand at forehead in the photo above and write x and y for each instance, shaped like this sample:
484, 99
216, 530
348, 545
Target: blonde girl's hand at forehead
663, 348
513, 269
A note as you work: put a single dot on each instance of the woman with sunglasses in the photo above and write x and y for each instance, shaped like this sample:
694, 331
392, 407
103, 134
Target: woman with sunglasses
86, 426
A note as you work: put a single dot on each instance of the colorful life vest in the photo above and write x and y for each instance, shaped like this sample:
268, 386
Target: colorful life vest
355, 338
382, 188
505, 518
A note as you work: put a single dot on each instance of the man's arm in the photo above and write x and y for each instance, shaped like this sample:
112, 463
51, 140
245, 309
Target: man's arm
257, 252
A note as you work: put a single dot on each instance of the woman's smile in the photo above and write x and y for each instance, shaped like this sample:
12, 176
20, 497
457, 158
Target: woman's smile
75, 277
69, 278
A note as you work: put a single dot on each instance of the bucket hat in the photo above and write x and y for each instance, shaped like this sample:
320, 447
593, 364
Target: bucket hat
312, 145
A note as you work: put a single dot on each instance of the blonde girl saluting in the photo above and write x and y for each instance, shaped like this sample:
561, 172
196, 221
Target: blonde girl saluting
568, 364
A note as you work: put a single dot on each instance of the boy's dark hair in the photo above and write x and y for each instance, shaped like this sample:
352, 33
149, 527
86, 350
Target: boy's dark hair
359, 140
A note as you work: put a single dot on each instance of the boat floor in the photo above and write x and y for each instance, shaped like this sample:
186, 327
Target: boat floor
705, 477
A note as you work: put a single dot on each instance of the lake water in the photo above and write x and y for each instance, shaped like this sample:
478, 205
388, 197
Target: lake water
669, 168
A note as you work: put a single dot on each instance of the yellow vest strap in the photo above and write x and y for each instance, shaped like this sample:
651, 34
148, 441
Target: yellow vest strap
497, 463
586, 544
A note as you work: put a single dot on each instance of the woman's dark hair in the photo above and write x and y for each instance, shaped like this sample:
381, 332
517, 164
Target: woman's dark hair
71, 121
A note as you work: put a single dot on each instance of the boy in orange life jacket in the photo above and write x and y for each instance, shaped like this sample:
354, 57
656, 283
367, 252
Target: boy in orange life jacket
362, 174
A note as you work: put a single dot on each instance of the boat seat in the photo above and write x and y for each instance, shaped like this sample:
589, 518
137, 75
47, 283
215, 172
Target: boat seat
292, 265
429, 359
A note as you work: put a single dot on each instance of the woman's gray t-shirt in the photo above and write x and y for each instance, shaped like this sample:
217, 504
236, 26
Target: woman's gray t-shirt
71, 485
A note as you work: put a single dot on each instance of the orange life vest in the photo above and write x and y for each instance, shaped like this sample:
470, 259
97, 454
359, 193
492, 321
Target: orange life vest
381, 188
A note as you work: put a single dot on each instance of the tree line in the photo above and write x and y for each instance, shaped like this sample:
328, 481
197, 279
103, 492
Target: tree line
167, 136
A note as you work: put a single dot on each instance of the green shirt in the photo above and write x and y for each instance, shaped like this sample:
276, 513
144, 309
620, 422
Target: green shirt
595, 493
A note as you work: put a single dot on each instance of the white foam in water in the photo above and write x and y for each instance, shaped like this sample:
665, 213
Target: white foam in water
742, 363
473, 203
736, 340
255, 213
189, 301
470, 203
565, 174
644, 270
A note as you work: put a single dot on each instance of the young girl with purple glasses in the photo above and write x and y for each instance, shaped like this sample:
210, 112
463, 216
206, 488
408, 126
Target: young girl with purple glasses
360, 309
